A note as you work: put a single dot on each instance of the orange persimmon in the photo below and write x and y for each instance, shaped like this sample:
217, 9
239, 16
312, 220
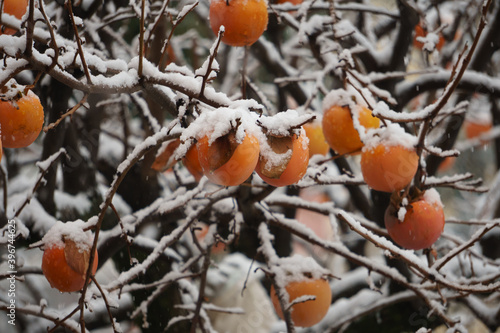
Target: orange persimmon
163, 160
317, 142
388, 168
65, 266
192, 163
475, 128
289, 161
310, 312
244, 21
227, 162
339, 130
16, 8
21, 120
418, 225
421, 32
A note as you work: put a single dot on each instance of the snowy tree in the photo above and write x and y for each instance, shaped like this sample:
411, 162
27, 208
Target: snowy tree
181, 182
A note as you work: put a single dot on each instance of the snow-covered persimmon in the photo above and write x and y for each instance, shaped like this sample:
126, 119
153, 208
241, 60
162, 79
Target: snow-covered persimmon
343, 120
286, 161
309, 312
417, 225
66, 255
389, 160
16, 8
420, 33
164, 159
192, 163
21, 120
65, 267
317, 142
227, 161
202, 232
244, 21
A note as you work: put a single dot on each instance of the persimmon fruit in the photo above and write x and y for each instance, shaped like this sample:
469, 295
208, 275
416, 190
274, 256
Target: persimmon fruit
339, 130
65, 266
388, 168
310, 312
292, 153
16, 8
421, 32
422, 224
226, 161
21, 120
192, 163
317, 141
474, 129
164, 160
244, 21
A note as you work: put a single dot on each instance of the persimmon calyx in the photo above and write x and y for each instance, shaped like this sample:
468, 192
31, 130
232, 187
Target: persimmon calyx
282, 148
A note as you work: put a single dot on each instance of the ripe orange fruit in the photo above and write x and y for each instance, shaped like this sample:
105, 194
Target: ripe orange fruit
473, 128
164, 160
420, 32
65, 266
308, 313
447, 163
244, 21
192, 163
388, 161
218, 247
339, 129
420, 223
16, 8
226, 161
388, 168
287, 163
317, 142
21, 120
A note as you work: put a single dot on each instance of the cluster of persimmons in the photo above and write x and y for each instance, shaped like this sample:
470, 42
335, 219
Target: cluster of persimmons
64, 263
388, 162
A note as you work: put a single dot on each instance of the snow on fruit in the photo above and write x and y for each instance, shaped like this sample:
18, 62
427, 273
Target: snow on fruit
417, 225
21, 120
66, 254
307, 292
345, 116
389, 160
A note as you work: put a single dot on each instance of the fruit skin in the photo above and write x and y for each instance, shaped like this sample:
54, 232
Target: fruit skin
317, 142
420, 32
422, 225
244, 20
239, 166
388, 168
339, 130
163, 161
59, 273
475, 129
309, 313
21, 125
14, 7
192, 163
296, 167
